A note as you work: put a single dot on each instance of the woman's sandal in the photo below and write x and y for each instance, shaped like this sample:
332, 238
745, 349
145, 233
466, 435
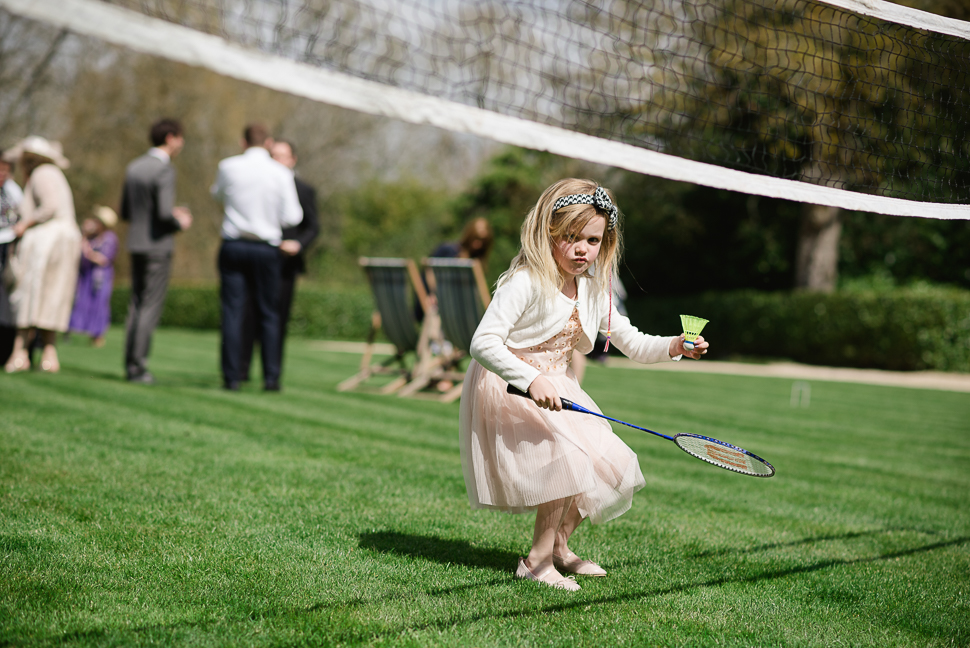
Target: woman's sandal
563, 582
576, 565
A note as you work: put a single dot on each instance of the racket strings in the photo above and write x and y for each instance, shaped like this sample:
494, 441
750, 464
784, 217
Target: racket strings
724, 455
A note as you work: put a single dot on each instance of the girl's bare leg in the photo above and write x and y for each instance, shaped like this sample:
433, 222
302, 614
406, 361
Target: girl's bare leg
563, 557
549, 518
570, 522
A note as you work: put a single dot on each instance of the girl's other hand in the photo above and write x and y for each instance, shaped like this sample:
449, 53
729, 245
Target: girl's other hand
544, 394
677, 347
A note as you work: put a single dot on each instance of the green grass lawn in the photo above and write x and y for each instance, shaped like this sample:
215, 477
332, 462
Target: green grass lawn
181, 514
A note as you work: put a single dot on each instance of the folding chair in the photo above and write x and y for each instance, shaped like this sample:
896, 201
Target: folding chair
462, 297
391, 281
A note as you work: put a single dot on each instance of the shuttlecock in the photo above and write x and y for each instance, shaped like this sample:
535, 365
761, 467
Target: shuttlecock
692, 328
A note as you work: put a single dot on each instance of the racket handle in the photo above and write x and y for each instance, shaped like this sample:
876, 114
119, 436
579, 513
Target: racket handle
566, 403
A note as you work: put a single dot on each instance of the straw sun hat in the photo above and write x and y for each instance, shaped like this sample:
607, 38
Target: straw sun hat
40, 147
106, 215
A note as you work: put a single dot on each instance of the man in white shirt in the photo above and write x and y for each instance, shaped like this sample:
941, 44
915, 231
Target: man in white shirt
260, 199
10, 197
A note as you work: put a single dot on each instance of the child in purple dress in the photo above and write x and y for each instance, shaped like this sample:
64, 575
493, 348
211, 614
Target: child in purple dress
92, 302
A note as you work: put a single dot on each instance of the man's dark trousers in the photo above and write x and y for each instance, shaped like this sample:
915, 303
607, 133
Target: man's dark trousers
249, 270
251, 333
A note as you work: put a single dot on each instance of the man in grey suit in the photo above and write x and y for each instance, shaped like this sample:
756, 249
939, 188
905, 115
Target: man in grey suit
148, 204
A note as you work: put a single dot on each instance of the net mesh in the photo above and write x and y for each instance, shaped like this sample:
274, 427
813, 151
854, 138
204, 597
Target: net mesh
794, 89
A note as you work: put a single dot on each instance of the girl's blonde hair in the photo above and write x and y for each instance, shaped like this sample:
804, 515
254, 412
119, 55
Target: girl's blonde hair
542, 226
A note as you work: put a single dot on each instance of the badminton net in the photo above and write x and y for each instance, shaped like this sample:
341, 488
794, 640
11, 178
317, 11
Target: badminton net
859, 104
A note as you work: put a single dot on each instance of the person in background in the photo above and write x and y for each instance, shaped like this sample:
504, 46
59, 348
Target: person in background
92, 302
10, 197
296, 240
476, 242
260, 199
148, 204
46, 261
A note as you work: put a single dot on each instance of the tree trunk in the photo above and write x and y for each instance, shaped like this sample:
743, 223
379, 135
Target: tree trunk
817, 257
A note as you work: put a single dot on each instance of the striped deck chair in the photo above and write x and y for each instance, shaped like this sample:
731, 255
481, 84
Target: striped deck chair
462, 296
392, 280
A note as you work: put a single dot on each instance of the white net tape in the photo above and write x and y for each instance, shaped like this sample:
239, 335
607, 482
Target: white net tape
543, 104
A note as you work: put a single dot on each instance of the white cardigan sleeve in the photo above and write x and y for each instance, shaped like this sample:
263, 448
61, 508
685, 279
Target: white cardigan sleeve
488, 347
635, 345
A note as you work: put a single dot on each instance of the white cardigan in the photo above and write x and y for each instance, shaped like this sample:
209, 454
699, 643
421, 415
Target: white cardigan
514, 320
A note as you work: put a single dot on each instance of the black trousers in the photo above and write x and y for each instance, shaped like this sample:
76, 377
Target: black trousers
8, 323
149, 285
249, 270
251, 330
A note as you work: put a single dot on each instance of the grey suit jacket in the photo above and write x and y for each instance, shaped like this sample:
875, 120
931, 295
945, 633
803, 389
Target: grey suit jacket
146, 204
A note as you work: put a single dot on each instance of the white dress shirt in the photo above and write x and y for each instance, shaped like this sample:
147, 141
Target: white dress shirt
259, 197
515, 320
13, 195
159, 154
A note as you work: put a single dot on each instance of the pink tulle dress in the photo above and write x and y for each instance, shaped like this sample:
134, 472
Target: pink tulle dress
516, 455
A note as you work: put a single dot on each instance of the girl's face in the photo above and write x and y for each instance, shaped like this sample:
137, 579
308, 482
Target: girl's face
577, 252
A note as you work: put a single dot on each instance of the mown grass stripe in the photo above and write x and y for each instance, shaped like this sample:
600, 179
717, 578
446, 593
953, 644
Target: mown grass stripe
182, 514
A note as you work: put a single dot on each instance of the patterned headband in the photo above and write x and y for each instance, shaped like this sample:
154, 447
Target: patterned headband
600, 199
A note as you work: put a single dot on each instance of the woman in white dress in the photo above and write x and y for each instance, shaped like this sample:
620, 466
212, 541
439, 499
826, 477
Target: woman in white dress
45, 265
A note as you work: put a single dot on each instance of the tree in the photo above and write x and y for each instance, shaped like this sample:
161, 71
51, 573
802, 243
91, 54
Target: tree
504, 191
797, 90
30, 81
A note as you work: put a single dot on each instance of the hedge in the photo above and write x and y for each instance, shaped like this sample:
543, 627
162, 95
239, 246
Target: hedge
899, 330
327, 314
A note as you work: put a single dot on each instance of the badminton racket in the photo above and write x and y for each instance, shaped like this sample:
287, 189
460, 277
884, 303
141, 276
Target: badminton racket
715, 452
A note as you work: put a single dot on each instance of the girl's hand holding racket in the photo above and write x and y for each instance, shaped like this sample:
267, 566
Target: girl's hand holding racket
719, 453
544, 394
677, 347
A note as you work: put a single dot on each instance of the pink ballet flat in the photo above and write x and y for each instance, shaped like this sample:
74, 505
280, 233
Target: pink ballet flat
563, 582
576, 565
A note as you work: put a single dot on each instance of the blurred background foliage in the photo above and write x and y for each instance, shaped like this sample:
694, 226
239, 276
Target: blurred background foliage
392, 189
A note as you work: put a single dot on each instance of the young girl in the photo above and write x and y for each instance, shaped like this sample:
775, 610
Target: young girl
95, 280
517, 455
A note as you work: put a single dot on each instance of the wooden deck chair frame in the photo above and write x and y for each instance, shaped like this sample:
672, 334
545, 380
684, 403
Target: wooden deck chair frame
390, 280
462, 297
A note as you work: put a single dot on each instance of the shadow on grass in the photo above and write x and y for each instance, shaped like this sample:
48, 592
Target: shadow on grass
583, 601
463, 553
455, 552
809, 541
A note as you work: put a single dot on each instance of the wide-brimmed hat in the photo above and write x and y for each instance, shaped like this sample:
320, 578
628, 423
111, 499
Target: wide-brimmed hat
106, 215
39, 146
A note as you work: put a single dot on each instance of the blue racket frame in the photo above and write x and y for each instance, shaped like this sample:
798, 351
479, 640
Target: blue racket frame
570, 405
